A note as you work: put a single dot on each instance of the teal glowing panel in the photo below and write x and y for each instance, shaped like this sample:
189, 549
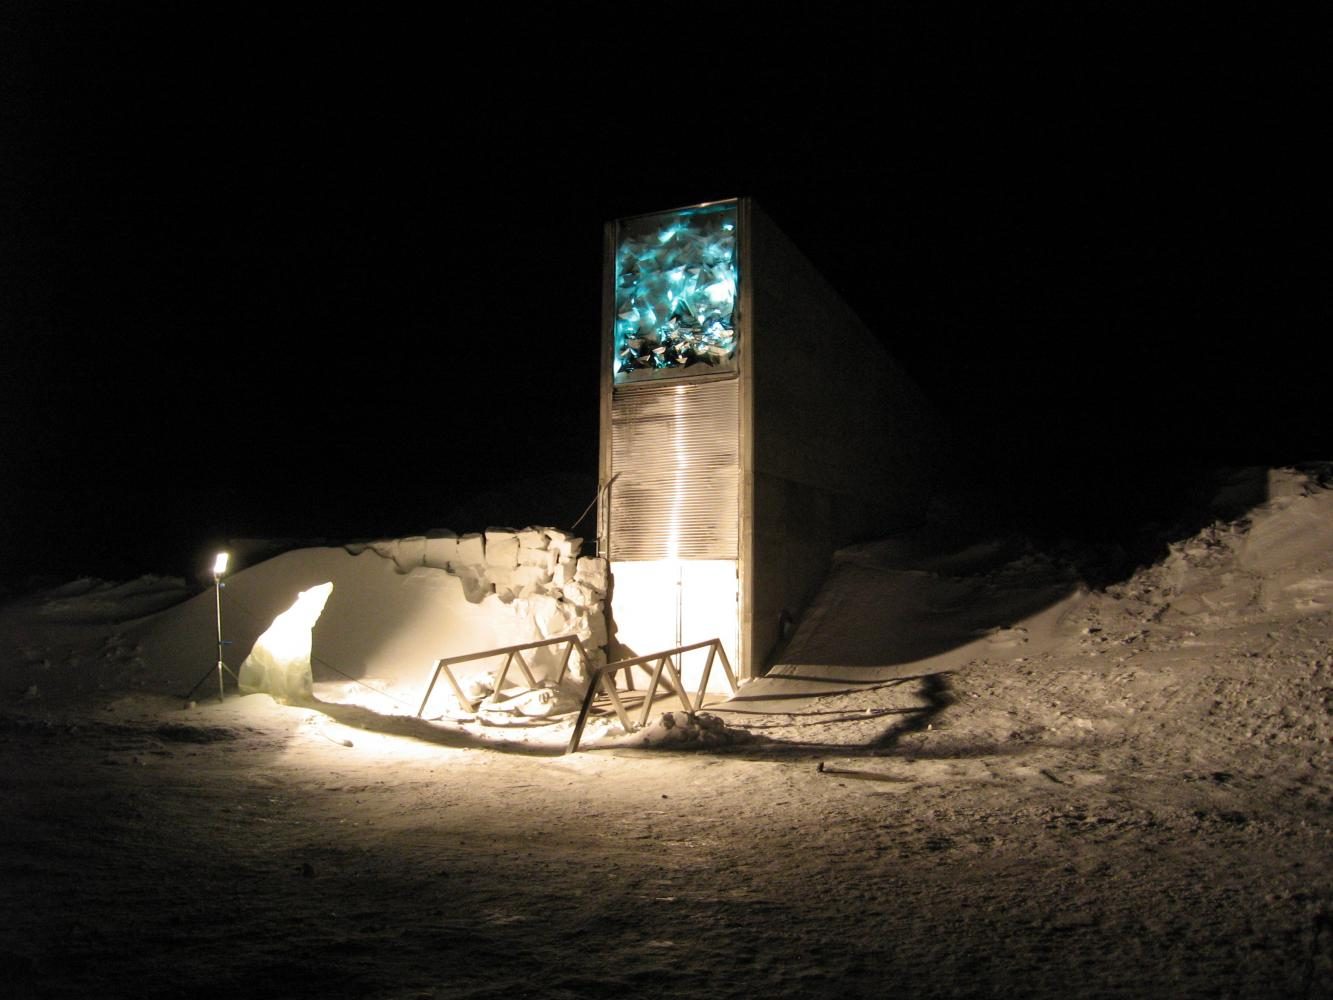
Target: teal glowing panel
676, 280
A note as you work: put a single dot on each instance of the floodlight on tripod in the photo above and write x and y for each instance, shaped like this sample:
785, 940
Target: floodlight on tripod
220, 562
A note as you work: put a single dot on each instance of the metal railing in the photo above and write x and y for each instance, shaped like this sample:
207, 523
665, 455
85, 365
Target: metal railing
512, 654
664, 662
602, 678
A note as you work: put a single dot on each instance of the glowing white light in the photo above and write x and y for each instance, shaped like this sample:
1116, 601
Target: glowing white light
220, 563
661, 603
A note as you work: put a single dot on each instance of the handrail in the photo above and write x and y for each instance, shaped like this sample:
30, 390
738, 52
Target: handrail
664, 661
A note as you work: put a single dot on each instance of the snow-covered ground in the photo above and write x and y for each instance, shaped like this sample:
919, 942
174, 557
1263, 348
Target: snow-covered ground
972, 775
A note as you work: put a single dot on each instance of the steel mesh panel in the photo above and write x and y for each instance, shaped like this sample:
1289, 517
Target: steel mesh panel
676, 450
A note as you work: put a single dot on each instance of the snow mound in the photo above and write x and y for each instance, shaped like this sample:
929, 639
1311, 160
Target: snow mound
89, 600
688, 731
1274, 562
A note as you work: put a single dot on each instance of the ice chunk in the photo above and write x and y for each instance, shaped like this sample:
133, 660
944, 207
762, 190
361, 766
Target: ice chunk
688, 729
532, 538
525, 576
501, 549
502, 577
593, 632
279, 663
475, 585
478, 686
579, 595
568, 547
545, 559
551, 615
471, 550
441, 551
591, 573
409, 553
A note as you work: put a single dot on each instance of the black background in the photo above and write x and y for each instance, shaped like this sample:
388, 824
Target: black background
337, 273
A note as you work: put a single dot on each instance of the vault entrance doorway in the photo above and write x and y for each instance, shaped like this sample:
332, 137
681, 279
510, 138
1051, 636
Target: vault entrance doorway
666, 603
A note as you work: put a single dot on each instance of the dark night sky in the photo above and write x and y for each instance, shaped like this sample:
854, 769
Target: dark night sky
338, 273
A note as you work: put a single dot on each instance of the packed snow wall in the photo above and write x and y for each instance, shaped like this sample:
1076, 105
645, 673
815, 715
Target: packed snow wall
398, 605
532, 583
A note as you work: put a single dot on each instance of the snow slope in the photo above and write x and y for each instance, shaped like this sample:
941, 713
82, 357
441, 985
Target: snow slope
1127, 789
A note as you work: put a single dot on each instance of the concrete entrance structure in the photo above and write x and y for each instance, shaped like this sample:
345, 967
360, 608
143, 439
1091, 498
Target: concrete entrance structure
750, 425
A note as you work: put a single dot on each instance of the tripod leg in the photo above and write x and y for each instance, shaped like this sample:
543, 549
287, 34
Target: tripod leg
220, 667
199, 683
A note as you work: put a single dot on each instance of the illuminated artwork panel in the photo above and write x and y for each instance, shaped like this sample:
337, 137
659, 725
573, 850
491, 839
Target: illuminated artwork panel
675, 293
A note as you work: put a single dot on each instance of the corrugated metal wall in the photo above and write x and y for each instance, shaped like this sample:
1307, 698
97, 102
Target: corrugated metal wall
675, 447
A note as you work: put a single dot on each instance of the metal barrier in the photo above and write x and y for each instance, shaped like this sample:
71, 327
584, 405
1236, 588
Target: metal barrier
664, 662
598, 677
512, 653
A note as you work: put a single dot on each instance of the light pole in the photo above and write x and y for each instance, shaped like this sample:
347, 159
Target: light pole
219, 567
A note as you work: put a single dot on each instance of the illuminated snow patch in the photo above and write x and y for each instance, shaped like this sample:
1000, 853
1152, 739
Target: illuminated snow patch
543, 716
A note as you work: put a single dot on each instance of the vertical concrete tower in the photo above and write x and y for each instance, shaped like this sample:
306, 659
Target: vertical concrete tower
750, 425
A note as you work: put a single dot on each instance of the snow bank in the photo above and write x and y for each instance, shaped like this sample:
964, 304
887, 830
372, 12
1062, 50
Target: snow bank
88, 600
1274, 562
